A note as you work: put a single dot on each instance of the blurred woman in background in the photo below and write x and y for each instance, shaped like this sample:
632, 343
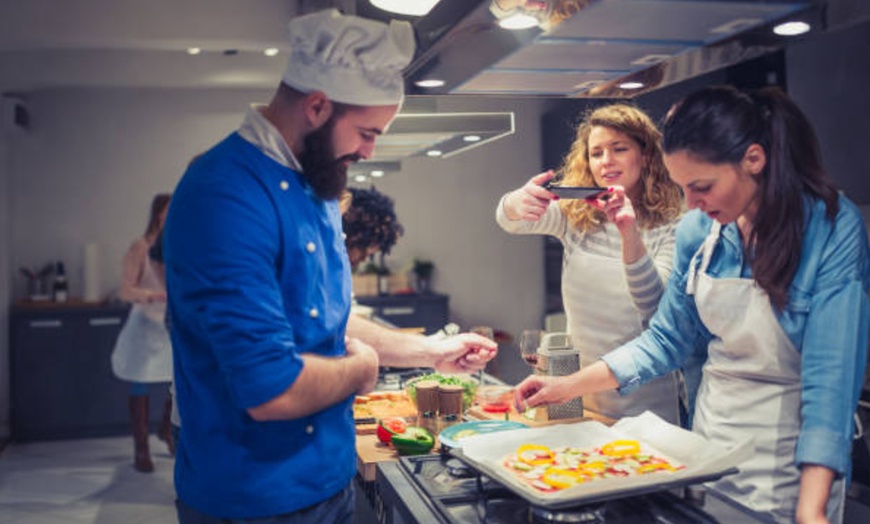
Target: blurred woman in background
143, 352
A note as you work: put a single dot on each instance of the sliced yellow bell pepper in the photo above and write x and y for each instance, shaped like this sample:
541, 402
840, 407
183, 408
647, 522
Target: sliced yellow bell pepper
561, 478
534, 454
621, 448
658, 466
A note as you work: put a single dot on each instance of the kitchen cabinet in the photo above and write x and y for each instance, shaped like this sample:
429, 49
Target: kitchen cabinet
62, 380
426, 310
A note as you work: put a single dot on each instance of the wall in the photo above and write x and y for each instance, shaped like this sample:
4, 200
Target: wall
828, 77
447, 207
5, 292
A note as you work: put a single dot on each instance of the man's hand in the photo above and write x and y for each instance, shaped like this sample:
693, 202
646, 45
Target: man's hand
463, 353
365, 357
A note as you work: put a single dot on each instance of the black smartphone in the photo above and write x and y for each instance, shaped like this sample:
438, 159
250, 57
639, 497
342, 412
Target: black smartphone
575, 191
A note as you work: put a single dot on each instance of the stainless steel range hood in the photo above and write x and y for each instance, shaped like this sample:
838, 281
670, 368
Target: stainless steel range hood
421, 129
601, 45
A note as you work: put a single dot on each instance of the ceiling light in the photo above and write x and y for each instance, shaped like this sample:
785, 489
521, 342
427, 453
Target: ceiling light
631, 85
429, 82
518, 21
434, 153
377, 173
471, 138
194, 50
406, 7
270, 51
791, 28
360, 178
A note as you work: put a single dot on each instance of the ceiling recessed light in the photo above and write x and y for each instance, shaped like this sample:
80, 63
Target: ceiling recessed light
518, 21
471, 138
406, 7
360, 178
377, 173
270, 51
434, 153
631, 85
194, 50
429, 82
791, 28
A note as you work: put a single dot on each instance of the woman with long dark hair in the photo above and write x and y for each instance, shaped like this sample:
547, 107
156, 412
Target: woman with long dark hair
770, 282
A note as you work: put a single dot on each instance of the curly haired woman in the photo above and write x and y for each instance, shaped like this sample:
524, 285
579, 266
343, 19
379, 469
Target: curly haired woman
619, 246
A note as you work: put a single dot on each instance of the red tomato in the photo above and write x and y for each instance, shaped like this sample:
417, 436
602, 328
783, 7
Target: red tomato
387, 427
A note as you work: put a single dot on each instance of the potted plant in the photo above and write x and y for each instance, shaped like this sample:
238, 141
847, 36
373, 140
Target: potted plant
423, 270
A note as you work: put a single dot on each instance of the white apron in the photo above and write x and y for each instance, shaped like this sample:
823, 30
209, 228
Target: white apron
143, 352
604, 322
750, 388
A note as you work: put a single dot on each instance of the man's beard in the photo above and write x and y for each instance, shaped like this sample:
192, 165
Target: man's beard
326, 174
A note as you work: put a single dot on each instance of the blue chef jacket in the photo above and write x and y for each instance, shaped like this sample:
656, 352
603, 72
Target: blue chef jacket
257, 274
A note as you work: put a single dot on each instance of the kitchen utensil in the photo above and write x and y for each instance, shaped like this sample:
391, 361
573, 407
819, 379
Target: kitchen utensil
557, 357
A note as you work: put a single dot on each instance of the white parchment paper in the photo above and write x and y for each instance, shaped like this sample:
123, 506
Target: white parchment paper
703, 459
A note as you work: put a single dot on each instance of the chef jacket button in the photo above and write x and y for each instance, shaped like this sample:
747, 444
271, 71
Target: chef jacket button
310, 247
309, 429
344, 236
313, 313
285, 185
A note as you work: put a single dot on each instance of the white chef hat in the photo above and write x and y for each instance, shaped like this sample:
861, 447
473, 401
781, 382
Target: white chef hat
353, 60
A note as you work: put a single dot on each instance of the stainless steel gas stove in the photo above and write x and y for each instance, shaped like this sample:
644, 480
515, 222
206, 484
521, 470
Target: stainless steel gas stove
441, 489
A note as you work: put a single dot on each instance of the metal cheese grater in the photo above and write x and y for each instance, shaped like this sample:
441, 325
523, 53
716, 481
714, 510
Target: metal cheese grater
557, 357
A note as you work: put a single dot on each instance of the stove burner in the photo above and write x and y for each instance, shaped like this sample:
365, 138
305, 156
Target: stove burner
458, 469
591, 513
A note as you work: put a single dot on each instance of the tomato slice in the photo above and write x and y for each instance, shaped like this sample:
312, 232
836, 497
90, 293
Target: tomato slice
387, 427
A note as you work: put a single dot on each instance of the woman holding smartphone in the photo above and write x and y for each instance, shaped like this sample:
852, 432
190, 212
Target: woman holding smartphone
770, 282
618, 246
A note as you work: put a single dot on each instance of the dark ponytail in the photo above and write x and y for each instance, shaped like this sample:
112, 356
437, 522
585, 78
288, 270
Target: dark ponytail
717, 125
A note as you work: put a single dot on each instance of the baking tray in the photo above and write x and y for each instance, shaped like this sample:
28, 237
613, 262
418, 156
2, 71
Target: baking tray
704, 460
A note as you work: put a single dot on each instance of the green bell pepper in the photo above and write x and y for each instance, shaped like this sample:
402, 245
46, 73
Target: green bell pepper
414, 441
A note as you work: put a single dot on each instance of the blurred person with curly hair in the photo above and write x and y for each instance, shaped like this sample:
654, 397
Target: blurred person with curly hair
369, 223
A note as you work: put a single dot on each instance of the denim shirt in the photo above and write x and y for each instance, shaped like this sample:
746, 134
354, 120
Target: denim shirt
826, 319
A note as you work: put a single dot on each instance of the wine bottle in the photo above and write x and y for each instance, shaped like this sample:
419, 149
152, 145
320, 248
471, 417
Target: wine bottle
60, 287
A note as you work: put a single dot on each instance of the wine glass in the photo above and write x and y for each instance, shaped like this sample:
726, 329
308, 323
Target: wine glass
484, 331
530, 340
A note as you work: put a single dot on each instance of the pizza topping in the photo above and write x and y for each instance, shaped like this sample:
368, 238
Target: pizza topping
552, 469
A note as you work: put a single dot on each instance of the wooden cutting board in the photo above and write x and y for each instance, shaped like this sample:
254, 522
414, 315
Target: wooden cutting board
531, 418
368, 409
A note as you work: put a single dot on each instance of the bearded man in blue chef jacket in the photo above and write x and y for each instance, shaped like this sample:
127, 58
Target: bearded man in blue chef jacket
267, 357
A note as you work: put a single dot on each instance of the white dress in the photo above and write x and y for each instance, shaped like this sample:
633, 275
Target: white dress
143, 352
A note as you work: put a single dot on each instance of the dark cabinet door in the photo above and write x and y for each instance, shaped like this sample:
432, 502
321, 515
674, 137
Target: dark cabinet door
44, 376
103, 395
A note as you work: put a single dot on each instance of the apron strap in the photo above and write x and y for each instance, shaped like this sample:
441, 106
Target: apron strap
706, 253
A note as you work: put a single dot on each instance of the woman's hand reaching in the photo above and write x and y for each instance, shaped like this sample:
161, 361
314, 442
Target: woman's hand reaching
616, 206
530, 202
538, 390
